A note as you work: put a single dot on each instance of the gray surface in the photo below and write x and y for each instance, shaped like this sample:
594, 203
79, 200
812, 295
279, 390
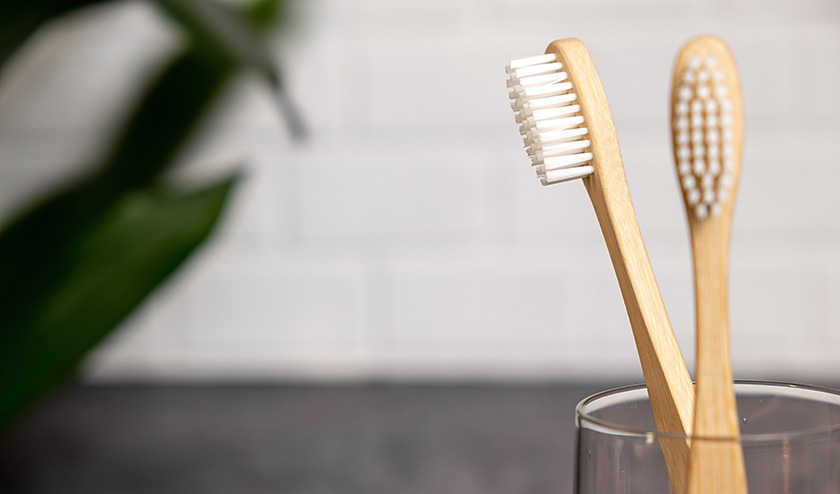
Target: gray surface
298, 439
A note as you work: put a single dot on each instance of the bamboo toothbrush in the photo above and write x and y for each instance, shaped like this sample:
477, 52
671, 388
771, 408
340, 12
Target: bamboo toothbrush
569, 133
707, 125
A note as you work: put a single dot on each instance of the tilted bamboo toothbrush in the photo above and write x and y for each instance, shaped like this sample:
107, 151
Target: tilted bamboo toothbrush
569, 134
707, 125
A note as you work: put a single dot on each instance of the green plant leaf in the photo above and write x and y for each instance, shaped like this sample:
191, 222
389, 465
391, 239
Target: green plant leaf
230, 35
110, 268
266, 13
164, 119
223, 31
227, 37
76, 263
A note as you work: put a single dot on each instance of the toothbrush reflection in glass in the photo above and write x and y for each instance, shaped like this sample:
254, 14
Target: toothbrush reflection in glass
569, 134
707, 131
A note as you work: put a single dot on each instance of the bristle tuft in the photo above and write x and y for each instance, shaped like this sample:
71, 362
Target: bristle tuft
550, 121
703, 138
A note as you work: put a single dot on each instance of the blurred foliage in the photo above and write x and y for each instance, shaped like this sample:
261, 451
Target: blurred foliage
75, 263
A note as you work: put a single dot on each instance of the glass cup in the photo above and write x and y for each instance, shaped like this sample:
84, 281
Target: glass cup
790, 435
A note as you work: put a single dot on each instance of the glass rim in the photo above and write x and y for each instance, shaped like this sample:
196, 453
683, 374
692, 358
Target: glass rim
614, 428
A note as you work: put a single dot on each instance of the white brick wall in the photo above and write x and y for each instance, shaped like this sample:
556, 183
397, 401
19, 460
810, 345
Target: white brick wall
408, 238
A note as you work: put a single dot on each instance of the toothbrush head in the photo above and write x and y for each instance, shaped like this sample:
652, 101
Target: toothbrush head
562, 113
707, 126
546, 109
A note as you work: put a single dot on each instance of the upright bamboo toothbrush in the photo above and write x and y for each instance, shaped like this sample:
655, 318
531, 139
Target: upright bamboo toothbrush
707, 124
569, 133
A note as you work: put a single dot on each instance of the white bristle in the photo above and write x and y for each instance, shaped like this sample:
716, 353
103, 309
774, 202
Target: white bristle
561, 135
546, 102
557, 123
703, 108
559, 162
540, 91
551, 126
550, 78
532, 70
693, 196
566, 174
552, 112
561, 149
555, 133
728, 164
535, 60
696, 106
557, 111
531, 126
556, 137
728, 150
549, 131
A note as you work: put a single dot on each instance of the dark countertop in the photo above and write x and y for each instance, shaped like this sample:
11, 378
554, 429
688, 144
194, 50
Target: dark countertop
298, 439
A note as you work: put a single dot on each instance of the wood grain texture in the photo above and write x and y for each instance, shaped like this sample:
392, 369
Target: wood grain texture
667, 379
717, 466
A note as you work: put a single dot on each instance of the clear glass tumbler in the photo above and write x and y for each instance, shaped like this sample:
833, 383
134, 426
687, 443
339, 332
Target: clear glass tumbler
790, 435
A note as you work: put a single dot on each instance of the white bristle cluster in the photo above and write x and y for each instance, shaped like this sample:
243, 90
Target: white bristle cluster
549, 119
703, 136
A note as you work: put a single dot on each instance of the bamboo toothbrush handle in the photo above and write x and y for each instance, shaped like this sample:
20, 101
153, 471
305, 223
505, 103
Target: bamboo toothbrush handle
717, 466
707, 131
666, 376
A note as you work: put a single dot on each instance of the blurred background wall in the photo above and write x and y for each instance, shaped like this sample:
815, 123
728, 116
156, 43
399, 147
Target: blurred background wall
408, 238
